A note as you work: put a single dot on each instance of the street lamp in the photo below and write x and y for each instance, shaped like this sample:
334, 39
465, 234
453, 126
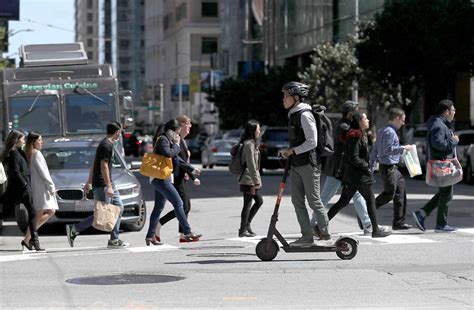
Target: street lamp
12, 32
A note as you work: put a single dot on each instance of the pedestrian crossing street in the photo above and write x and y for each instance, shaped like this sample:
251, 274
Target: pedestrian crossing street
394, 239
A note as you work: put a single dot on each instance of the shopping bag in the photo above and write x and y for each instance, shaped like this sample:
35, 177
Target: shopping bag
442, 173
105, 215
156, 166
3, 175
412, 162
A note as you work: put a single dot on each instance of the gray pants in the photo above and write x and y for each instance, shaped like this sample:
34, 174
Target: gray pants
305, 182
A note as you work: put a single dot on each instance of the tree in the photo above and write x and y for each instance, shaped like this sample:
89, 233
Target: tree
330, 76
257, 97
419, 46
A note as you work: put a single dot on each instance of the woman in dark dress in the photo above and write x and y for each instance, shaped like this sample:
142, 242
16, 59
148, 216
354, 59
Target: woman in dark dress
357, 175
19, 183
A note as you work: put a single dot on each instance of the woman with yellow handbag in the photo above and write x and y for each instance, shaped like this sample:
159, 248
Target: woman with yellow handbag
167, 147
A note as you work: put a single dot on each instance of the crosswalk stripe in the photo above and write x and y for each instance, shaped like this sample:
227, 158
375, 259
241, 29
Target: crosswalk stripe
163, 247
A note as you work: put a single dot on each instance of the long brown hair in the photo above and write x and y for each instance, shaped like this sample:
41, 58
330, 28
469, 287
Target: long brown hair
10, 143
30, 143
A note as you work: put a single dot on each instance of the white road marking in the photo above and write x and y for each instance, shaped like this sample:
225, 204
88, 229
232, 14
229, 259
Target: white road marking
157, 248
26, 256
466, 230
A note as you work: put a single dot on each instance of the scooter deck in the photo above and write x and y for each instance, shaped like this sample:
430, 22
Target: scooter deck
312, 248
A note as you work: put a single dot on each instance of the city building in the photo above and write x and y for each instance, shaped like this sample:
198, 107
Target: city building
182, 41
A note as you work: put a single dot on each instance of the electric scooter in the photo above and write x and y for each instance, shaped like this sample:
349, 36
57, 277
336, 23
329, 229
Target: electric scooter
267, 249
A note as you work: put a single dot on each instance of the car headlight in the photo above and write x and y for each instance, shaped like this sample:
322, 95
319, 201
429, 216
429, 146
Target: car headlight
129, 191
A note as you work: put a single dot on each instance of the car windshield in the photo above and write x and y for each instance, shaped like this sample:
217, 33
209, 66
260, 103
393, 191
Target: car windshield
223, 145
36, 113
74, 158
88, 114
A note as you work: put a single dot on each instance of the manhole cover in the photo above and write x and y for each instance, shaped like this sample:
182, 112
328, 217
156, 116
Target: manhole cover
217, 247
124, 279
220, 255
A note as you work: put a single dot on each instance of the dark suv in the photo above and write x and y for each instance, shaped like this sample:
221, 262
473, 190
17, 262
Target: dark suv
273, 140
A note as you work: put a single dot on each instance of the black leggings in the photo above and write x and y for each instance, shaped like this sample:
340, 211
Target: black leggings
249, 211
26, 200
346, 195
183, 193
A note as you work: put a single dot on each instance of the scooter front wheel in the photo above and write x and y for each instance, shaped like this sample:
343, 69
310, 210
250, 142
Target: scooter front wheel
267, 253
346, 248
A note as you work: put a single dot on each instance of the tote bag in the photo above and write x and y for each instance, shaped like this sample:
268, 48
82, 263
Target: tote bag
3, 175
411, 161
156, 166
105, 215
442, 173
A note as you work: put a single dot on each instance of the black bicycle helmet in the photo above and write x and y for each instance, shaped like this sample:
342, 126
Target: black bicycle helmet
296, 88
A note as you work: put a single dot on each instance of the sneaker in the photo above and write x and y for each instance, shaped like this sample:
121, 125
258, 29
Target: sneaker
324, 237
303, 242
381, 232
316, 231
445, 229
368, 230
71, 234
117, 244
419, 220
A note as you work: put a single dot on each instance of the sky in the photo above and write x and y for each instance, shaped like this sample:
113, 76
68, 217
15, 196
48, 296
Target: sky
37, 15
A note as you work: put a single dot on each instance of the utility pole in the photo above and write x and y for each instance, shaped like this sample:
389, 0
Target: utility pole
180, 97
355, 85
162, 102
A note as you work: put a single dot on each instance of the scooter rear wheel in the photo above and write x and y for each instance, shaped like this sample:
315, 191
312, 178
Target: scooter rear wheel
267, 254
346, 248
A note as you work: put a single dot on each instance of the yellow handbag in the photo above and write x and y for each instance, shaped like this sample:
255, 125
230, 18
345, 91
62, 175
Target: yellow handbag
156, 166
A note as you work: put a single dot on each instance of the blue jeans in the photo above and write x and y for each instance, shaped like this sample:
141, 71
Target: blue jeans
100, 195
330, 188
164, 190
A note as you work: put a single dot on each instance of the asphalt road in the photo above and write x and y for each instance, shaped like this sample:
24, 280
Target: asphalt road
406, 270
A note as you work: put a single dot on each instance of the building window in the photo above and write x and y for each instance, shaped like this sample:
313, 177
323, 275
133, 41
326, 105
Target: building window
181, 11
90, 55
90, 30
89, 4
166, 22
208, 45
209, 9
89, 17
124, 43
89, 43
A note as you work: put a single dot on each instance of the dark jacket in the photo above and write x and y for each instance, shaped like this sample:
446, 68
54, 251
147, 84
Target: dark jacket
341, 127
185, 167
440, 138
18, 176
165, 147
356, 159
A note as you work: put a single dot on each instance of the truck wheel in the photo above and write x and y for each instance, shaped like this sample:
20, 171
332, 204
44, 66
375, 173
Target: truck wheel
21, 217
138, 225
267, 254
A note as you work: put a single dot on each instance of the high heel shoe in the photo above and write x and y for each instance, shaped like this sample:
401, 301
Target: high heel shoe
192, 237
34, 242
26, 245
152, 241
157, 238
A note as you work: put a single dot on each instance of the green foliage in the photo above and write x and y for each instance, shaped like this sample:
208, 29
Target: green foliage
257, 97
413, 43
330, 76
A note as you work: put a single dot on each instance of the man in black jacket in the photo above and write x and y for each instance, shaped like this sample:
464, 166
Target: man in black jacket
441, 145
333, 169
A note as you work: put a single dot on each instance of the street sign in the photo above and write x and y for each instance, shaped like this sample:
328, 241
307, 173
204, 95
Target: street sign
153, 108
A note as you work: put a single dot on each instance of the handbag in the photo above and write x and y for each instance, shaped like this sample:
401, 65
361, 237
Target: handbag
105, 215
156, 166
412, 163
442, 173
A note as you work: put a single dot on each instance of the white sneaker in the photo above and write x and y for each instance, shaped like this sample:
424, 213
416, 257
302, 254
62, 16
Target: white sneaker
117, 244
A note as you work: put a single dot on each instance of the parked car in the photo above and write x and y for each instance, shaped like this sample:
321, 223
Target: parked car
469, 171
217, 152
466, 138
233, 134
69, 163
136, 143
417, 136
273, 140
196, 144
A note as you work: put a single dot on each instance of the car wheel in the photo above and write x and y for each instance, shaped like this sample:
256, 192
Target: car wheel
138, 225
211, 166
21, 217
204, 166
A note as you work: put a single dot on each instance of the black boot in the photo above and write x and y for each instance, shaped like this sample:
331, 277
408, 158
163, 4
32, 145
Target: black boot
34, 242
250, 231
244, 233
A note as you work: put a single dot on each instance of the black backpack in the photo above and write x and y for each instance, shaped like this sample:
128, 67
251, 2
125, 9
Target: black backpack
236, 165
325, 145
